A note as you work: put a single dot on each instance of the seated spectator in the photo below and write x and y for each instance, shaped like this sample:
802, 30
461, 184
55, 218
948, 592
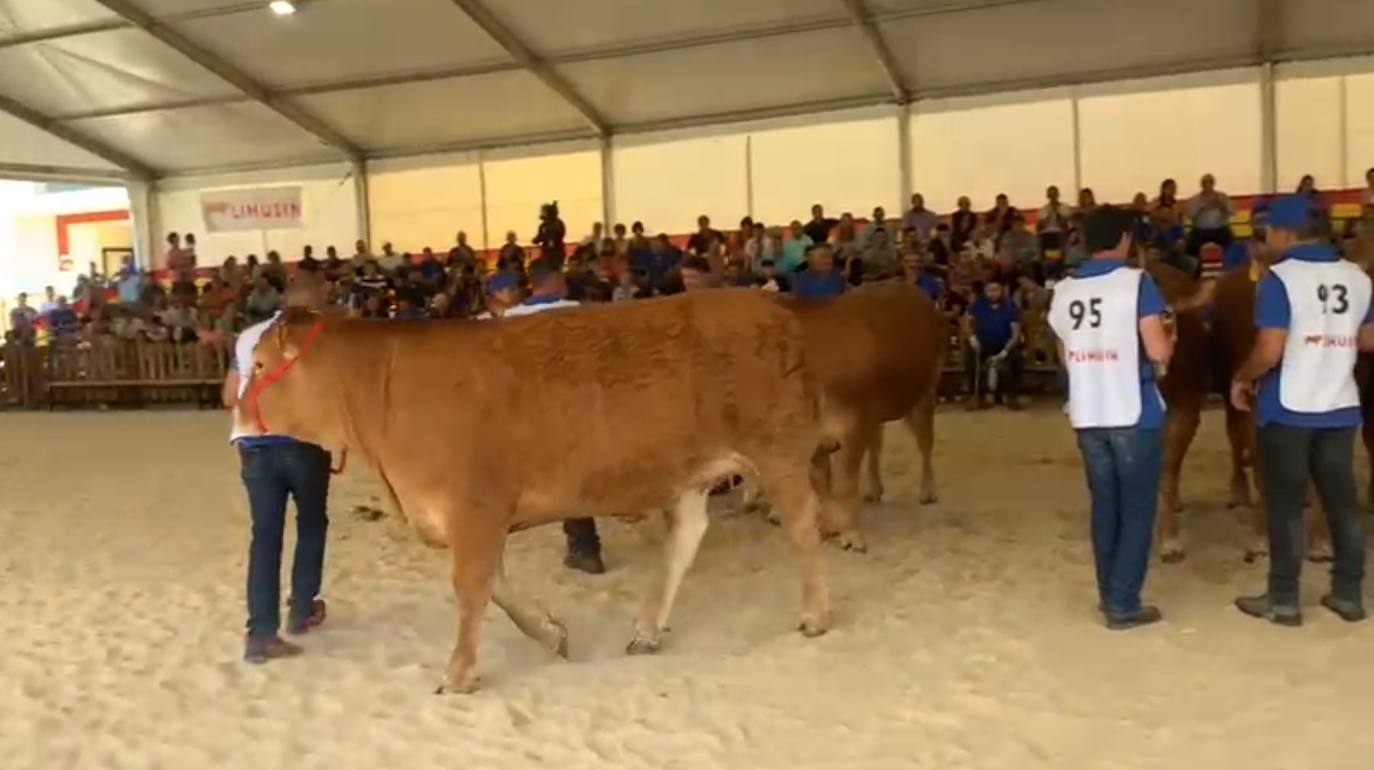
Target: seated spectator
217, 299
502, 293
1020, 244
993, 330
181, 320
1052, 221
430, 270
963, 225
794, 248
1211, 211
818, 228
126, 324
390, 261
877, 225
940, 249
998, 220
274, 271
658, 264
184, 286
63, 321
461, 253
920, 219
879, 257
1031, 294
633, 285
308, 261
821, 280
370, 280
767, 277
263, 302
130, 284
704, 240
914, 272
361, 254
333, 266
592, 241
511, 253
620, 241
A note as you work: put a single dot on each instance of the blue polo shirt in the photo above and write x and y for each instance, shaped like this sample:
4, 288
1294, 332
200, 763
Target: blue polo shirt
1149, 302
816, 287
992, 324
1236, 255
1272, 311
929, 284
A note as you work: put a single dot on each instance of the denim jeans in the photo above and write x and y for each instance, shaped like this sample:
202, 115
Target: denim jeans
1122, 466
272, 473
1288, 457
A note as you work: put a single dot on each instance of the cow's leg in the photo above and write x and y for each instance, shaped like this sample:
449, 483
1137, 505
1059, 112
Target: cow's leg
921, 422
1240, 434
1179, 430
797, 503
687, 525
840, 516
476, 559
533, 620
1259, 524
874, 453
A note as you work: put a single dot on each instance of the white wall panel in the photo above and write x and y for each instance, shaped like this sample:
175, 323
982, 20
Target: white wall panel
666, 181
1134, 135
517, 187
327, 199
844, 166
1308, 124
980, 147
414, 205
1359, 92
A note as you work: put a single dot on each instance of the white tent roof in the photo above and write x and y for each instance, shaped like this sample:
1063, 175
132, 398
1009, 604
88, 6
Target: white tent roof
162, 87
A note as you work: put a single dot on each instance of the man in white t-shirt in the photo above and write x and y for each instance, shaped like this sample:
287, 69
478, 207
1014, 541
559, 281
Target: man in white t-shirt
275, 468
548, 292
1109, 322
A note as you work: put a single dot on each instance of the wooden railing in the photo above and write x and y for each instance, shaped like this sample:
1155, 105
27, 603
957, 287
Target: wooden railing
111, 373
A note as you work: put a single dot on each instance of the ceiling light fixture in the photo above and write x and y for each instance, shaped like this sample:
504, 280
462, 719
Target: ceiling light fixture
282, 7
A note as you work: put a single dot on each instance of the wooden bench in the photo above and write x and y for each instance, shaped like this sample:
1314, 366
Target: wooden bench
135, 373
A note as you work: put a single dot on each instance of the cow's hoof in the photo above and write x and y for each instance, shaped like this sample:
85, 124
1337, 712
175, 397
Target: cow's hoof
874, 497
1254, 554
928, 498
459, 686
558, 640
643, 645
812, 627
851, 541
772, 517
1320, 554
1171, 552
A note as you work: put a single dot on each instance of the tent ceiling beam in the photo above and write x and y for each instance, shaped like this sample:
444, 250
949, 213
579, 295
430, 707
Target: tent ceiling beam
232, 75
521, 53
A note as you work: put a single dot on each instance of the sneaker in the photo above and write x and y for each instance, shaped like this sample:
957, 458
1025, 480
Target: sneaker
1350, 612
1261, 607
299, 625
260, 649
1142, 617
589, 563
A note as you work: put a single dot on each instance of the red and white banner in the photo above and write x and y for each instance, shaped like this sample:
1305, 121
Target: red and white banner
259, 208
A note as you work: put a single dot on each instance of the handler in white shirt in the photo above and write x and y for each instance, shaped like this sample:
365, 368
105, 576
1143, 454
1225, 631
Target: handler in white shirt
1109, 321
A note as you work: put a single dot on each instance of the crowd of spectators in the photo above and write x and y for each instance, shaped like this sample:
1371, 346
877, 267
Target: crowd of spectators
984, 267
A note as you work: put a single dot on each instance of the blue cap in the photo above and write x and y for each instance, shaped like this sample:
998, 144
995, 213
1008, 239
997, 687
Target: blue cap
502, 281
1290, 212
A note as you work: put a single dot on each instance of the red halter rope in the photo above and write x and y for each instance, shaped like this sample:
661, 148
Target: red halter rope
261, 383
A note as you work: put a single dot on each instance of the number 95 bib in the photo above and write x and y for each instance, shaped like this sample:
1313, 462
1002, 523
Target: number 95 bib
1097, 320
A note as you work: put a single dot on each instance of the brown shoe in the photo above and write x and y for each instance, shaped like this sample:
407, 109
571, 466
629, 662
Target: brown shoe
260, 649
299, 625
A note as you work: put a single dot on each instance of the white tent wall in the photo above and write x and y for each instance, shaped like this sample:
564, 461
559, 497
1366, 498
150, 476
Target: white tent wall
1359, 125
419, 202
518, 183
667, 180
1016, 144
328, 202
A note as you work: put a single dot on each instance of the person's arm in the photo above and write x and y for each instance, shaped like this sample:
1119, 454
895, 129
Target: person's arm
1272, 316
1158, 342
1015, 337
1366, 336
229, 393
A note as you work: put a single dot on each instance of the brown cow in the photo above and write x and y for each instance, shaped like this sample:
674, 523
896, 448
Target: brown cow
716, 382
876, 353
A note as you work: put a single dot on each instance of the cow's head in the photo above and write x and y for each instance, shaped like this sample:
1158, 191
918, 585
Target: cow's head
290, 394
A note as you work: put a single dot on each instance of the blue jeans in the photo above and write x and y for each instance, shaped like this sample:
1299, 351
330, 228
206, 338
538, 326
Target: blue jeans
272, 473
1123, 467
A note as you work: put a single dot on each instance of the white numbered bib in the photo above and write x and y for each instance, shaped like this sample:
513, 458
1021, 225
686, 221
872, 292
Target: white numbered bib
1097, 320
1329, 301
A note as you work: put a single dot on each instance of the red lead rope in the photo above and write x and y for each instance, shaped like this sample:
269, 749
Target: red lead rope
260, 384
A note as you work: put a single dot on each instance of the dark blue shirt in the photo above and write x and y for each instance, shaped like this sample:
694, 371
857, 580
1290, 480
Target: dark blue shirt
809, 285
1236, 255
1272, 311
1148, 302
929, 284
992, 324
655, 266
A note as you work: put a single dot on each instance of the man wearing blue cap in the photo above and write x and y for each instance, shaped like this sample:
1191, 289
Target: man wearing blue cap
549, 292
1312, 313
503, 293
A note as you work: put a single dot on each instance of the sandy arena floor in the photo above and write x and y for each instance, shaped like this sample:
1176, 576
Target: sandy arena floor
965, 639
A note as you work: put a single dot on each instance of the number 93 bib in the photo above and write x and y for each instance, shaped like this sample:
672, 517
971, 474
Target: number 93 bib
1328, 302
